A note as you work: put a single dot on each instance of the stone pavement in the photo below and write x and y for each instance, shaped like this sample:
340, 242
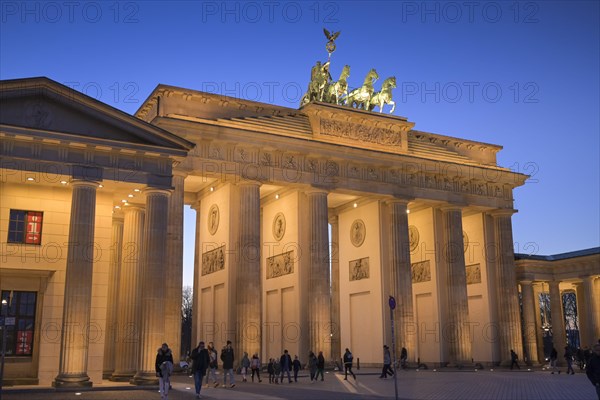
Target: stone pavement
417, 385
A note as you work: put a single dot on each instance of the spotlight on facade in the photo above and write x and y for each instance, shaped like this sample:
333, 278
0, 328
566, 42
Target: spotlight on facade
63, 182
355, 205
212, 189
31, 179
276, 197
100, 186
129, 195
136, 190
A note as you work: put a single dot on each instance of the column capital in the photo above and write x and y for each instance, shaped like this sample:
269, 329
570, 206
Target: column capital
526, 282
84, 183
118, 216
399, 200
177, 172
154, 190
503, 212
452, 207
316, 190
248, 182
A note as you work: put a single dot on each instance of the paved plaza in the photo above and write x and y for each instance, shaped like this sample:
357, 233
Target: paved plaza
417, 385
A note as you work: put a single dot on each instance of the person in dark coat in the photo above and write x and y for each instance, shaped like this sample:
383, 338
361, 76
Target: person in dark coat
513, 359
348, 357
296, 367
320, 366
592, 369
164, 369
228, 357
286, 365
201, 363
569, 359
553, 360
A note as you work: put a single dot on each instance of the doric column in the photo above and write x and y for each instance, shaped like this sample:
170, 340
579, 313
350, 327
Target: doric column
319, 316
78, 287
456, 330
128, 298
559, 339
582, 315
507, 294
530, 334
537, 290
114, 271
248, 278
592, 300
197, 272
401, 276
335, 288
174, 278
152, 324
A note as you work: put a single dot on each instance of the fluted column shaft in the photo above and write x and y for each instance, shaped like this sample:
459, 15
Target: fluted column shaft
319, 315
537, 290
335, 288
529, 310
128, 298
401, 277
592, 300
248, 278
456, 332
78, 287
114, 271
507, 294
174, 278
559, 339
196, 318
153, 277
582, 314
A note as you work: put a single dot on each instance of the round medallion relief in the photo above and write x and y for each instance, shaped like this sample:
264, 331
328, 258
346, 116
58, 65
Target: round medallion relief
358, 232
213, 219
465, 241
413, 237
279, 226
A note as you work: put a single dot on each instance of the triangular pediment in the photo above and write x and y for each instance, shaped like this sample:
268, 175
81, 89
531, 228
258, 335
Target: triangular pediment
43, 104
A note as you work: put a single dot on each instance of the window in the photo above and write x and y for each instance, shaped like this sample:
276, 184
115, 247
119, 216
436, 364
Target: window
20, 321
25, 227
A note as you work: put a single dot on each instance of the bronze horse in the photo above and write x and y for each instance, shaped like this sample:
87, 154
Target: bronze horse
361, 97
384, 96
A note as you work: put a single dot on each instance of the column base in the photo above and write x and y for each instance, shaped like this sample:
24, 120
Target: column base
72, 381
144, 379
121, 376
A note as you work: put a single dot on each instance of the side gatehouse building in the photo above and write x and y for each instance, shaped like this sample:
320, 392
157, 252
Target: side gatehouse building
307, 221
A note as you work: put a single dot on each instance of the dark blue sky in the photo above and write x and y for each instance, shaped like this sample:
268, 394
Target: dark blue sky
524, 75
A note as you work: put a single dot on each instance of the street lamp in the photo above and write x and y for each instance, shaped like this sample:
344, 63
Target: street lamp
4, 313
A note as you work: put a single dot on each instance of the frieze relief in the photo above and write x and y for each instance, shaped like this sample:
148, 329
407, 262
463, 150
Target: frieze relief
363, 133
213, 260
421, 272
281, 264
473, 274
359, 269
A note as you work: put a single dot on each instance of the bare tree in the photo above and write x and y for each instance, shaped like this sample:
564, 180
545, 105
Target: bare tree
186, 319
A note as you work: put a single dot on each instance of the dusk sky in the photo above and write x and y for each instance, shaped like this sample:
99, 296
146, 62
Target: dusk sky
523, 75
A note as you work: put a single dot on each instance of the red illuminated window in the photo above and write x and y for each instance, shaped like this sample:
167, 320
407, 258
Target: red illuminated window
25, 227
20, 321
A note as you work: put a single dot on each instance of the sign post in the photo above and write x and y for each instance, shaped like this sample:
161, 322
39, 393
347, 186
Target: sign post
392, 303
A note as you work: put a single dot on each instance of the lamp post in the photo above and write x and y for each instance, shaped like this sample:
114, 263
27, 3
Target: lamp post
4, 314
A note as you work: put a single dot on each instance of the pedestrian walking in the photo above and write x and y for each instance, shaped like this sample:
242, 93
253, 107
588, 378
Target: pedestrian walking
271, 371
348, 357
164, 369
255, 367
296, 367
277, 370
245, 364
227, 356
513, 359
553, 360
286, 365
387, 362
312, 366
592, 369
320, 366
569, 359
403, 358
201, 362
213, 365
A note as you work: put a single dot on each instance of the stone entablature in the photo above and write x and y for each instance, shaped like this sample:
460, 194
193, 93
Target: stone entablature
556, 268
